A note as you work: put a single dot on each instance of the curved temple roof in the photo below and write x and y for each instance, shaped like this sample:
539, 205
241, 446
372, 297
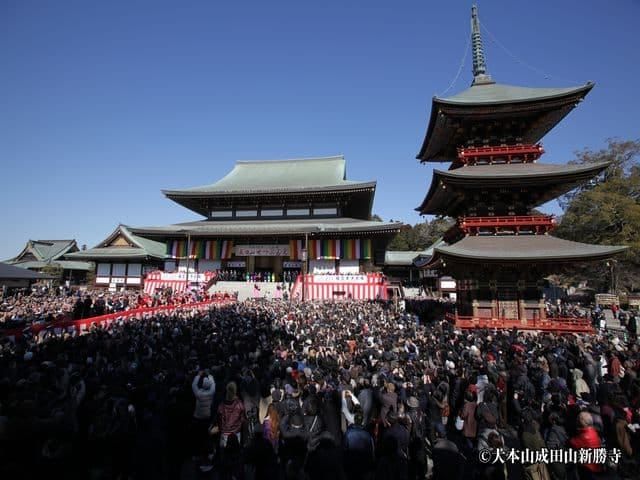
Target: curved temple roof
279, 176
496, 106
139, 247
272, 227
554, 178
522, 248
498, 93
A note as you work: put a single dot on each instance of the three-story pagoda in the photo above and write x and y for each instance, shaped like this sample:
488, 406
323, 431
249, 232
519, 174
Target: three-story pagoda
499, 250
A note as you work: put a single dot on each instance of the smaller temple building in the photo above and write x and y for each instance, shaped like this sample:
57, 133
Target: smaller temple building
122, 259
39, 255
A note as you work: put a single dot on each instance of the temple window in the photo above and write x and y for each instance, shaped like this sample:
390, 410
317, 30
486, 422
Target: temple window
325, 210
298, 212
247, 213
221, 213
272, 212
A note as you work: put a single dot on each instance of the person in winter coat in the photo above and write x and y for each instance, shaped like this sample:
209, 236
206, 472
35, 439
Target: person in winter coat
204, 388
468, 415
358, 447
365, 397
580, 385
389, 401
271, 426
586, 437
231, 415
556, 438
448, 463
533, 441
349, 404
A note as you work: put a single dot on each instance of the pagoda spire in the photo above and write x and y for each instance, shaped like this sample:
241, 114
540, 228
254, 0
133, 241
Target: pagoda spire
480, 75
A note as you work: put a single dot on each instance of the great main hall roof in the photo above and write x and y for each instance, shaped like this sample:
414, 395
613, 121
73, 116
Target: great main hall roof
271, 227
279, 176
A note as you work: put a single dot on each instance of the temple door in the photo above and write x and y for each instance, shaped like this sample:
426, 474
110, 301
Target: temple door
508, 306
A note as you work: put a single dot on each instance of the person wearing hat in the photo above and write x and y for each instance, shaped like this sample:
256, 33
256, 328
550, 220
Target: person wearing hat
417, 434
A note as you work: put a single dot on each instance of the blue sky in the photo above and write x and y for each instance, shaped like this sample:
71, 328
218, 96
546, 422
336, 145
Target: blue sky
106, 103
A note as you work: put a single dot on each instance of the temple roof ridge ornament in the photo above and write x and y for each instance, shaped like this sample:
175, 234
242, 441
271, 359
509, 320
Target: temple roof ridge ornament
480, 75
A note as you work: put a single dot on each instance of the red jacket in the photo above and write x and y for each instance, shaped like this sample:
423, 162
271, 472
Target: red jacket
587, 438
231, 416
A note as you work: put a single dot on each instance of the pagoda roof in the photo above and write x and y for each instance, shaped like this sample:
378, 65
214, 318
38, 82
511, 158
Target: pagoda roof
526, 114
447, 186
341, 225
500, 93
123, 244
521, 248
279, 176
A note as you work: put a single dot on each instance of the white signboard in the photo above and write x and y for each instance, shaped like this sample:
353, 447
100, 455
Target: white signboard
262, 250
340, 279
178, 276
236, 264
291, 264
447, 284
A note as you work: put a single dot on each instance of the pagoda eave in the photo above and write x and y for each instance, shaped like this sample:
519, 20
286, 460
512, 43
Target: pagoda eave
517, 249
547, 180
451, 119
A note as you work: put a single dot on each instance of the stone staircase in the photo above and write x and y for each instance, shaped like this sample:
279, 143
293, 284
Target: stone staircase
245, 289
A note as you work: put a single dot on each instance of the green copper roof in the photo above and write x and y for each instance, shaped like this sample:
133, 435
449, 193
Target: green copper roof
271, 227
139, 247
497, 93
328, 173
446, 195
45, 250
521, 170
523, 248
400, 258
64, 264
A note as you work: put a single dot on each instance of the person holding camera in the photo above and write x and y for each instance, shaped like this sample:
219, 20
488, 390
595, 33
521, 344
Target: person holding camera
204, 388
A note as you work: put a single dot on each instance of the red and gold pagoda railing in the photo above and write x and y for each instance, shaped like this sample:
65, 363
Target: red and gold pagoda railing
500, 153
551, 324
511, 224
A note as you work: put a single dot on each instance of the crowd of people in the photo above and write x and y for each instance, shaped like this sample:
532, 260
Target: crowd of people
346, 390
47, 304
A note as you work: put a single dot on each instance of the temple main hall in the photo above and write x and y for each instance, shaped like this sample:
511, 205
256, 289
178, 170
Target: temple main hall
265, 221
